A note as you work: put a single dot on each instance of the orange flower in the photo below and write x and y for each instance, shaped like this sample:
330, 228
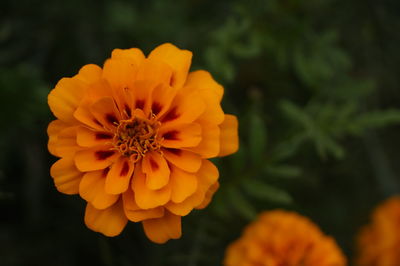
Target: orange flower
378, 244
134, 138
279, 238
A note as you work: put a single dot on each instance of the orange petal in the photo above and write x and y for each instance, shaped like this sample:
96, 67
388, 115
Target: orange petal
203, 81
95, 158
65, 98
161, 99
209, 146
119, 73
86, 137
53, 130
210, 193
206, 177
210, 91
178, 59
162, 229
182, 208
119, 176
136, 214
141, 93
147, 198
181, 135
106, 112
155, 71
185, 108
89, 73
229, 139
183, 184
185, 160
65, 175
92, 189
109, 222
156, 169
133, 55
65, 143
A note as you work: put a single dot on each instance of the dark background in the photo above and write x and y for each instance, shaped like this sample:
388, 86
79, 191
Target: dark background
315, 85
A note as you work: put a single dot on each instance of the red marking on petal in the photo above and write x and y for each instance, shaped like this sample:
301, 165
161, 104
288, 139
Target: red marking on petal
153, 164
102, 155
156, 108
171, 135
128, 110
171, 115
103, 136
111, 118
105, 171
124, 170
177, 152
140, 104
172, 80
97, 122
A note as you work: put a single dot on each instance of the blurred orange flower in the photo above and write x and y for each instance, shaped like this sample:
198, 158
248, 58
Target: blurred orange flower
279, 238
134, 138
378, 243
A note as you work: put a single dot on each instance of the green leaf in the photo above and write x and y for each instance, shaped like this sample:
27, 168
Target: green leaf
263, 191
257, 138
285, 171
241, 204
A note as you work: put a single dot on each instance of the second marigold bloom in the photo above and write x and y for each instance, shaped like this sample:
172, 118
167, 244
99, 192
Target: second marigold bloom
378, 243
134, 138
283, 238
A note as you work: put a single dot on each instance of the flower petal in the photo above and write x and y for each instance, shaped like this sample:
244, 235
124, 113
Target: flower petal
179, 60
95, 158
136, 214
65, 98
209, 194
229, 139
155, 71
65, 145
210, 91
133, 55
119, 176
185, 108
106, 112
162, 229
209, 146
95, 91
161, 99
206, 177
89, 73
53, 130
185, 160
183, 184
147, 198
203, 81
156, 169
119, 73
109, 222
181, 135
86, 137
92, 190
66, 176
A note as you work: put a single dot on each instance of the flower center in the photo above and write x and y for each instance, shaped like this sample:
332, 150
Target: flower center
136, 136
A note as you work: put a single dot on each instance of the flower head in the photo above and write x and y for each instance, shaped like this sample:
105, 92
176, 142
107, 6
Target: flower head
378, 243
283, 238
134, 137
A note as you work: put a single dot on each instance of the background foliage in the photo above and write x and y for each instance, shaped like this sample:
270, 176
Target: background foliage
314, 84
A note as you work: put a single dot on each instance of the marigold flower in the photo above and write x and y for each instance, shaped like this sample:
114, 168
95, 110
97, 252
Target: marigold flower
283, 238
134, 138
378, 243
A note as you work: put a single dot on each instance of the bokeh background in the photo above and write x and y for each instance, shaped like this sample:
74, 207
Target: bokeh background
315, 85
